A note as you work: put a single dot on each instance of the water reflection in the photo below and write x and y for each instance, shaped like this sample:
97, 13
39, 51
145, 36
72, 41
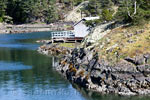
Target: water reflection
13, 66
27, 75
89, 95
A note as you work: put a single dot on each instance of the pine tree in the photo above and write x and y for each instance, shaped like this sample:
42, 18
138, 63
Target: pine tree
2, 9
134, 11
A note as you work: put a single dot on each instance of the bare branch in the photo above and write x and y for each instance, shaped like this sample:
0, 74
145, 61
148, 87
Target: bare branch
135, 9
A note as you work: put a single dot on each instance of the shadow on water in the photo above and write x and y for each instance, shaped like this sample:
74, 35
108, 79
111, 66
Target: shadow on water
90, 95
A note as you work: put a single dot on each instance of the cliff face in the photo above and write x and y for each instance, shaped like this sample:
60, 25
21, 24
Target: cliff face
127, 77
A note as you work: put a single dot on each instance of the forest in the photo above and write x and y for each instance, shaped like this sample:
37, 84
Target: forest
48, 11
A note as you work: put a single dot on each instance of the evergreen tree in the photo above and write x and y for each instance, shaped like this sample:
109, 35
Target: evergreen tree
93, 8
134, 11
2, 9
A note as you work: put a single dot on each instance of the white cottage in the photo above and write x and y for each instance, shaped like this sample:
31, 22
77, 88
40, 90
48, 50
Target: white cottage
80, 29
79, 32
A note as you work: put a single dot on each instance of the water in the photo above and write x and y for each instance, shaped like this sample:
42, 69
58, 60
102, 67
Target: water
27, 75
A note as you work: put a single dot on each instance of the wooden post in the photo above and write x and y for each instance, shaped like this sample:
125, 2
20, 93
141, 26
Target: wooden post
81, 14
52, 41
75, 40
53, 62
52, 38
64, 40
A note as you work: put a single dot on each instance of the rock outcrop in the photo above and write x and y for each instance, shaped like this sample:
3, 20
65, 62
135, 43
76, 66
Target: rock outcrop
54, 49
125, 78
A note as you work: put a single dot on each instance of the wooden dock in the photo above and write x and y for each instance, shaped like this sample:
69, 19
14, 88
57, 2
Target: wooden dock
67, 40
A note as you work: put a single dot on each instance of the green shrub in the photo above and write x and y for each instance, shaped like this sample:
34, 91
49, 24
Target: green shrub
1, 19
107, 15
92, 23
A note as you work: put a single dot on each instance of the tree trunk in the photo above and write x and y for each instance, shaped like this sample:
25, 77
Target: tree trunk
135, 9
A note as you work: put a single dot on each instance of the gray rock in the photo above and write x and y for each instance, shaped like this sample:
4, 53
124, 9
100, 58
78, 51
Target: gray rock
97, 66
114, 76
92, 63
139, 60
124, 66
131, 60
144, 69
82, 53
95, 73
89, 55
147, 58
125, 91
111, 89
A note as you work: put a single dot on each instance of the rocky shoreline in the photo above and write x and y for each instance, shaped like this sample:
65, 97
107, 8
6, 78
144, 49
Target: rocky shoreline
83, 67
27, 28
54, 49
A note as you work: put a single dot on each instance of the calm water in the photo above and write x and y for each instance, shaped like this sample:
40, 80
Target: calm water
27, 75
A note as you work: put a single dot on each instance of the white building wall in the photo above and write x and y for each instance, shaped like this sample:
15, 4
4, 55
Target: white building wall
91, 18
81, 30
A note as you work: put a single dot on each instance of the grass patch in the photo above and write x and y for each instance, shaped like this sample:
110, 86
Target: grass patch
67, 45
121, 37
